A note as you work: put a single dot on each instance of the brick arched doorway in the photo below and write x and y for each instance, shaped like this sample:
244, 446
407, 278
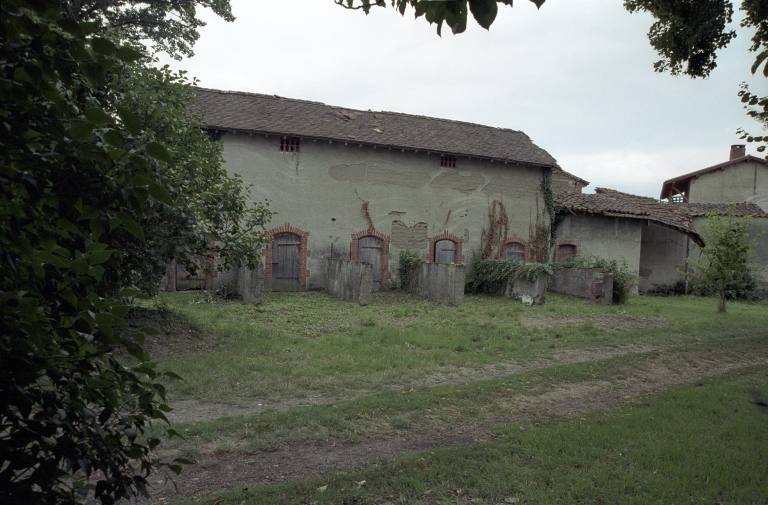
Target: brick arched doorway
373, 247
285, 262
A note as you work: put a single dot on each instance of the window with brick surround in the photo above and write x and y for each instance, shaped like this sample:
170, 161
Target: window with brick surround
565, 251
447, 161
514, 251
290, 144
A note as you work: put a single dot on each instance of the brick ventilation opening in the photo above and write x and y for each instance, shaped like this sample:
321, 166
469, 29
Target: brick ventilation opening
447, 161
290, 144
565, 251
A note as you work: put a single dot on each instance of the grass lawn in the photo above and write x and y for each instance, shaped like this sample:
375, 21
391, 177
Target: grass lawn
702, 443
648, 402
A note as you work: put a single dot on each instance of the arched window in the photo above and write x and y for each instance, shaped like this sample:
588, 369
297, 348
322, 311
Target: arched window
514, 251
445, 251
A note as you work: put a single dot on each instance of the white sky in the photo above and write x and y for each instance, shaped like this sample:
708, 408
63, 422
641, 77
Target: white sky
576, 76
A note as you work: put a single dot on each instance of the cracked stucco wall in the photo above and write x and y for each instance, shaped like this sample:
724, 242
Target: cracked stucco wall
410, 198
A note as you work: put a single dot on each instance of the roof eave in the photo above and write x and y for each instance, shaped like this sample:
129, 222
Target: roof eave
382, 145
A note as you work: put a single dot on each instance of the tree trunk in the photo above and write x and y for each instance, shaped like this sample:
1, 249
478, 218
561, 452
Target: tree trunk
721, 300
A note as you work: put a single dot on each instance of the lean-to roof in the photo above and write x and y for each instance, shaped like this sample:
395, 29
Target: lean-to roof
612, 203
271, 114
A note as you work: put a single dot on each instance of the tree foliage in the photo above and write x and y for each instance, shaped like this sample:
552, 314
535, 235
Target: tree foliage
101, 164
452, 13
171, 25
727, 256
210, 215
688, 33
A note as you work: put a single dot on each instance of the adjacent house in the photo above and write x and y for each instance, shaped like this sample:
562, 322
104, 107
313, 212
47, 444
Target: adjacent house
651, 236
369, 184
742, 180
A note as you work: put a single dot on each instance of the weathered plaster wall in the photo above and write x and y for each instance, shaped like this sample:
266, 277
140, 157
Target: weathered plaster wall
349, 280
439, 282
740, 182
612, 238
527, 292
561, 183
322, 190
662, 253
590, 283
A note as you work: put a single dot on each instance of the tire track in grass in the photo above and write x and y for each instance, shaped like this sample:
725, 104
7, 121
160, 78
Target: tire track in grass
231, 470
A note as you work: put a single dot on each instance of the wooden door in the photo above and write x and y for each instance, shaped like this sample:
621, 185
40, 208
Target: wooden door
445, 251
285, 262
370, 249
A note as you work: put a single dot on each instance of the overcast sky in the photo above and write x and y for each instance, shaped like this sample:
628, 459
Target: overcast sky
576, 76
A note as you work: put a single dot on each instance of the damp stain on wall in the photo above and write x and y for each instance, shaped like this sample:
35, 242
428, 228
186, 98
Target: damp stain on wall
360, 173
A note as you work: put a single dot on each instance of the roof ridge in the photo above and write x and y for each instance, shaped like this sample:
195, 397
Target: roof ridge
608, 191
264, 95
369, 111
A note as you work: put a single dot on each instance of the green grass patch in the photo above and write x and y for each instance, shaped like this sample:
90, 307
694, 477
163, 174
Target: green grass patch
308, 344
435, 408
703, 443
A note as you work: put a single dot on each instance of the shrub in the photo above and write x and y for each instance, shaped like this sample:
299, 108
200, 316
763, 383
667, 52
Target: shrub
492, 276
409, 262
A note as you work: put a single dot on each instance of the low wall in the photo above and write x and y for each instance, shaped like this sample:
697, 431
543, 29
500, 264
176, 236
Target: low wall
529, 293
590, 283
250, 284
350, 280
439, 282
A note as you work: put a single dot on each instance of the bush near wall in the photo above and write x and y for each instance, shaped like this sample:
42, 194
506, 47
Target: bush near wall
742, 288
491, 277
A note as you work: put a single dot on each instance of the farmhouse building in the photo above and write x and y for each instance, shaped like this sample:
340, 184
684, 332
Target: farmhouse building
742, 180
367, 185
649, 235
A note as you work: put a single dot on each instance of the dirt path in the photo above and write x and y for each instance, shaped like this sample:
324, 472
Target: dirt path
195, 411
219, 472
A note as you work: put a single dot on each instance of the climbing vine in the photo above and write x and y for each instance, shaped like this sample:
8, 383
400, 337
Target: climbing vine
548, 193
492, 237
367, 216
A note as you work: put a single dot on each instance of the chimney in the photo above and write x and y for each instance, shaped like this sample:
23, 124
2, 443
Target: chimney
738, 151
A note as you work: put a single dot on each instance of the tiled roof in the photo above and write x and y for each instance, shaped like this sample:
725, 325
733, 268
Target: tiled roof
609, 202
270, 114
682, 180
702, 209
559, 171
